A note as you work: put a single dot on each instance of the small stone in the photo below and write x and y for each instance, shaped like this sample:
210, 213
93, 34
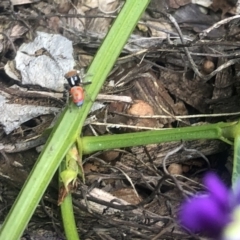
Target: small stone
175, 168
208, 66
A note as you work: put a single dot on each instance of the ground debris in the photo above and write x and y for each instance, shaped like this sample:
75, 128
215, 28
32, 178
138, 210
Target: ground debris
182, 60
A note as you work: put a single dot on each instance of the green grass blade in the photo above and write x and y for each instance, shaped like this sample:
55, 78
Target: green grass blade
39, 178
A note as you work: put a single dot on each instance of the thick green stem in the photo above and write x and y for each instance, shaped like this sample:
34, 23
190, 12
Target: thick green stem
57, 146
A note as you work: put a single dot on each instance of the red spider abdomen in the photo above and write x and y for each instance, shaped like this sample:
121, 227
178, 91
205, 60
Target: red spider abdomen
77, 95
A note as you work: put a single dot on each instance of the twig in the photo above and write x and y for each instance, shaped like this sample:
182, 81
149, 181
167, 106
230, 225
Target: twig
179, 117
193, 65
217, 25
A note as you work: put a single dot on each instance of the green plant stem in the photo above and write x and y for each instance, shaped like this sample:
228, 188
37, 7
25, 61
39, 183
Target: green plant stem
234, 132
69, 223
70, 123
222, 131
236, 160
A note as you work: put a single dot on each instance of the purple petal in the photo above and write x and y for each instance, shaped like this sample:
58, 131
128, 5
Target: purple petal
217, 190
202, 214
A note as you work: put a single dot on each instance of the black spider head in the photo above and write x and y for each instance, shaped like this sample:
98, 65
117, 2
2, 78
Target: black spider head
73, 78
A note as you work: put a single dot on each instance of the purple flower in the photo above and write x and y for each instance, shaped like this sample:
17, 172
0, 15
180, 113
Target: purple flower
213, 212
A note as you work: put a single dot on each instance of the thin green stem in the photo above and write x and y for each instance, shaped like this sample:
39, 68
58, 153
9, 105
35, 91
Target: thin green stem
68, 219
236, 160
222, 131
69, 224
